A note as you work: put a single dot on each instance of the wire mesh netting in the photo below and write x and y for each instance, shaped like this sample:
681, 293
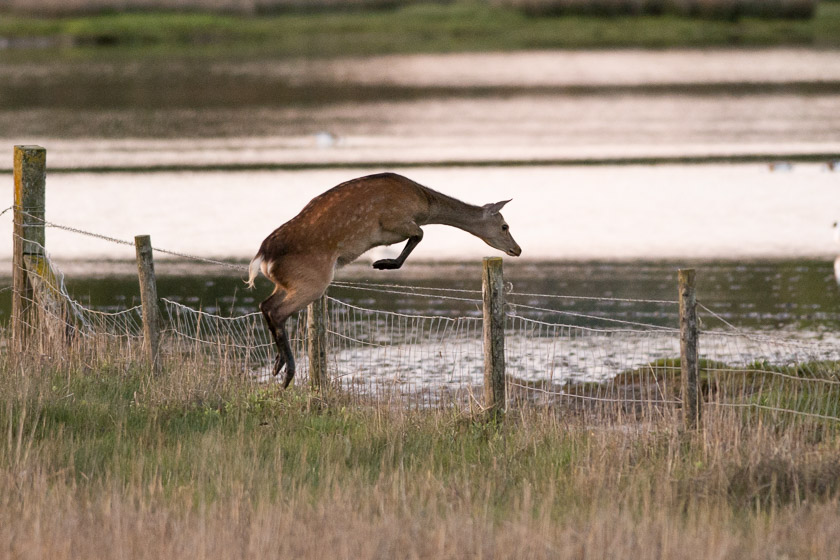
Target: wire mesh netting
613, 356
57, 319
744, 370
440, 358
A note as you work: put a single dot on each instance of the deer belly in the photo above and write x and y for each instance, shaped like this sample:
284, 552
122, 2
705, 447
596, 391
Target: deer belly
351, 250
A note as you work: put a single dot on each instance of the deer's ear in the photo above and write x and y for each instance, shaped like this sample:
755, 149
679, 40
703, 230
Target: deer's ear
495, 207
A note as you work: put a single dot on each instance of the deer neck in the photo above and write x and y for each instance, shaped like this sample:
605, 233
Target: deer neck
452, 212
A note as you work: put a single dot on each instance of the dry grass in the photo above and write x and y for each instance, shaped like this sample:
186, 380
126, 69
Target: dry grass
101, 460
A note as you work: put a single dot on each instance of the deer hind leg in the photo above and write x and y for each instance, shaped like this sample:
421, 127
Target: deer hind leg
280, 359
272, 311
281, 305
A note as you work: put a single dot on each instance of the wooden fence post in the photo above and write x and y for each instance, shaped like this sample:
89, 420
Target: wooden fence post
149, 300
28, 237
688, 349
494, 335
316, 332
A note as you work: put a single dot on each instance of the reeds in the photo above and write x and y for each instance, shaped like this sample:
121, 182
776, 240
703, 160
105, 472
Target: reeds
101, 459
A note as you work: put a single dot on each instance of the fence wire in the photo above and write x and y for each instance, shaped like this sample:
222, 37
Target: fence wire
50, 298
241, 343
612, 355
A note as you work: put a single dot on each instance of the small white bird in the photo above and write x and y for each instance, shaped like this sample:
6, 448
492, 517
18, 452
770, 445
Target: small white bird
781, 166
325, 139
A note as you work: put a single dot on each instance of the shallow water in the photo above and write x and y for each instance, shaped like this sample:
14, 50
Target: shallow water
524, 127
759, 235
590, 213
416, 339
771, 296
407, 338
490, 107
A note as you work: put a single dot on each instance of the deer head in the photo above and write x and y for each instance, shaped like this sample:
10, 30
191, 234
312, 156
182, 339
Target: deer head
494, 230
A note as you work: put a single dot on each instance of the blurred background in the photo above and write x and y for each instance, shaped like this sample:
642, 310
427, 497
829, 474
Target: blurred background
716, 8
635, 136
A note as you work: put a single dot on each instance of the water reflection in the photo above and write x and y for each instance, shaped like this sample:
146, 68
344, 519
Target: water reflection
519, 127
766, 295
584, 213
488, 106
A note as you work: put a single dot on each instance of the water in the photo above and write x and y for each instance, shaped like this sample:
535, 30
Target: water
760, 236
761, 239
583, 213
791, 301
489, 107
522, 127
772, 296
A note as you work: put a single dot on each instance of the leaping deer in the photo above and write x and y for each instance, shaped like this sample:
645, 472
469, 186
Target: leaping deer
336, 227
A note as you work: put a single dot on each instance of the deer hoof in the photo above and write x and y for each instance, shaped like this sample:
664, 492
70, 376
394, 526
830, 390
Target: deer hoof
290, 374
386, 264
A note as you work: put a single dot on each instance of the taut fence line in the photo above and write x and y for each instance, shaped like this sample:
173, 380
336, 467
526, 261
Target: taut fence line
514, 351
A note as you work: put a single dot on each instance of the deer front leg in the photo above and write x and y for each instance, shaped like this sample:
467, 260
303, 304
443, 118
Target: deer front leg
392, 264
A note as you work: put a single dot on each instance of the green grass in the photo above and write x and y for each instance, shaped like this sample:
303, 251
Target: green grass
100, 459
417, 28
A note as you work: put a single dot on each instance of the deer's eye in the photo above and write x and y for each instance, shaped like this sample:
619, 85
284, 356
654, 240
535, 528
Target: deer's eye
505, 227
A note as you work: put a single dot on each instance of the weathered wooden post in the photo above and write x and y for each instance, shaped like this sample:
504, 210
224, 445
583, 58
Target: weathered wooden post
688, 349
494, 335
28, 237
148, 300
316, 332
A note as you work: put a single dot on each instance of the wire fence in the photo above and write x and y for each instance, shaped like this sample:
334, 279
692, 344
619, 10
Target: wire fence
622, 359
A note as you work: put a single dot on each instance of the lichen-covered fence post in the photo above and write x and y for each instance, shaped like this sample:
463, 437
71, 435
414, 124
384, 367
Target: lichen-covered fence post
316, 332
689, 362
494, 335
28, 237
148, 300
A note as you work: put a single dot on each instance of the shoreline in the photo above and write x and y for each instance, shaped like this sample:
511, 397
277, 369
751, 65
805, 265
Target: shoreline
390, 151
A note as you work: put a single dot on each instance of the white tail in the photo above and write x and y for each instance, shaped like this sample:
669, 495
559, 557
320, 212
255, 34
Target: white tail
253, 270
346, 221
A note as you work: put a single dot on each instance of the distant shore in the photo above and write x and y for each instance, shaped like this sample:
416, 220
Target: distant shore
416, 28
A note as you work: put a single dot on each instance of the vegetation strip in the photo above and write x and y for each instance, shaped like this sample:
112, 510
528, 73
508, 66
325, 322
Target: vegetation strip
418, 28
